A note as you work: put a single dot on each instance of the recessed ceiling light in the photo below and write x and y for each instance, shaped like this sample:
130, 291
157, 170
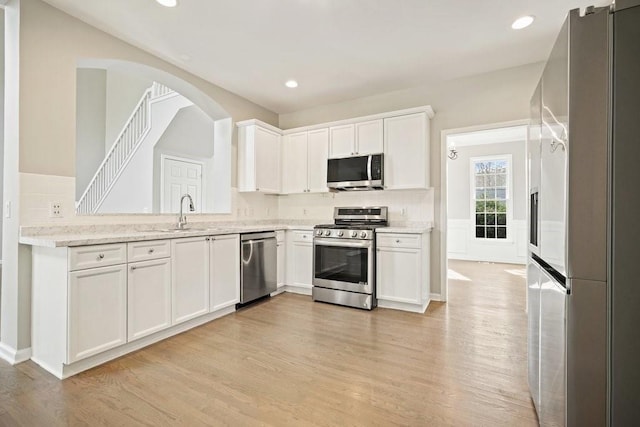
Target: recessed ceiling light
291, 84
168, 3
522, 22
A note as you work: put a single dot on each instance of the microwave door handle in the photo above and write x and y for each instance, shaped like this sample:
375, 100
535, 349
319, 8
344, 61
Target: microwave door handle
369, 167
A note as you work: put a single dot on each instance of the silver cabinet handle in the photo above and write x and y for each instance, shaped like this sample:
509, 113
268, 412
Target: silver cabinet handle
100, 257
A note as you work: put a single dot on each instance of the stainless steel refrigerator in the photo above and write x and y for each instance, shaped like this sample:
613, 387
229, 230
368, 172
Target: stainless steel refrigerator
584, 223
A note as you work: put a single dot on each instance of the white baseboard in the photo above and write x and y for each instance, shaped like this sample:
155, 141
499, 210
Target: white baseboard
404, 306
14, 356
62, 371
278, 291
296, 289
436, 297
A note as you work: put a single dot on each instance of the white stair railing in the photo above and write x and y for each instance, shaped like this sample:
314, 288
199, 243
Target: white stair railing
127, 142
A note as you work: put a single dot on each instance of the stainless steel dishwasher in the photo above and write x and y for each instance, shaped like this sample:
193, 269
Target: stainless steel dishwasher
258, 265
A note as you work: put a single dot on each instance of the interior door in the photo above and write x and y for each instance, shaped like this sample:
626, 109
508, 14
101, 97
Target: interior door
181, 177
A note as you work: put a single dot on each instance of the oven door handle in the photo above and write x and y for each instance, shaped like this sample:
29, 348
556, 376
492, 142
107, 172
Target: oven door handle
342, 243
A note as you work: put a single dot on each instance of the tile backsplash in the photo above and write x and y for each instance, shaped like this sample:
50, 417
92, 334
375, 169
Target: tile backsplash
404, 205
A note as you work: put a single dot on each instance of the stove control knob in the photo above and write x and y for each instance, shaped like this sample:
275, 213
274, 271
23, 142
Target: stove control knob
327, 232
363, 234
318, 232
354, 234
340, 233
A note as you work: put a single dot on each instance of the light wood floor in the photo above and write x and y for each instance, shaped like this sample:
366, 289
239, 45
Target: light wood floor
289, 361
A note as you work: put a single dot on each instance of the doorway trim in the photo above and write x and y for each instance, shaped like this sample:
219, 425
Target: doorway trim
444, 135
203, 192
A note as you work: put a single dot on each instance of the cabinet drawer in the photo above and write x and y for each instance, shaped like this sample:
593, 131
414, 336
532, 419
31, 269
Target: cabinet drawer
303, 236
399, 240
153, 249
83, 257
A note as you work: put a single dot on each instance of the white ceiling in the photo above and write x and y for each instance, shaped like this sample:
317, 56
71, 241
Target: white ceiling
336, 49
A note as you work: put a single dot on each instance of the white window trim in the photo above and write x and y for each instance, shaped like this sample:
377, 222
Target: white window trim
472, 208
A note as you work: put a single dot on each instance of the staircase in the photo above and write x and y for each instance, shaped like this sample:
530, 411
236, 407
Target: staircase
127, 143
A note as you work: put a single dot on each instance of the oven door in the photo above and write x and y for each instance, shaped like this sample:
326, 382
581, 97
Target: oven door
347, 265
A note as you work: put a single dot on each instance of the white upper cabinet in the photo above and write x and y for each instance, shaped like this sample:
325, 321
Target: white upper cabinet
297, 162
369, 137
258, 157
304, 159
406, 152
317, 152
294, 171
342, 141
356, 139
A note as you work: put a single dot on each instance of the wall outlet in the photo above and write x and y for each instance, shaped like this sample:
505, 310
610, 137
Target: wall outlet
55, 210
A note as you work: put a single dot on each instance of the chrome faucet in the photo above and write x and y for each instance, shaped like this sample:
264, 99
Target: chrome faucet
182, 219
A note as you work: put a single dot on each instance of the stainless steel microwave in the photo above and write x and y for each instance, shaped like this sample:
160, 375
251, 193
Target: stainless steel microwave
356, 173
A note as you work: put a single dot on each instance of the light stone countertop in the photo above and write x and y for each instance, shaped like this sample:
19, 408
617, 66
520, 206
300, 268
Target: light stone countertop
407, 228
62, 236
82, 235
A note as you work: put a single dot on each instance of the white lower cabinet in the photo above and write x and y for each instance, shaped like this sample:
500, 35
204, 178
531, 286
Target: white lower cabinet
189, 278
280, 254
402, 276
299, 260
97, 311
149, 297
224, 265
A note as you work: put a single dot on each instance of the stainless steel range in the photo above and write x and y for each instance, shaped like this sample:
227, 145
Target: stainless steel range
344, 260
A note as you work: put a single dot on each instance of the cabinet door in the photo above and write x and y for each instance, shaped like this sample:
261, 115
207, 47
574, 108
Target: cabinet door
97, 311
149, 297
399, 275
369, 137
317, 154
267, 151
281, 265
406, 152
224, 261
341, 141
302, 264
189, 278
294, 164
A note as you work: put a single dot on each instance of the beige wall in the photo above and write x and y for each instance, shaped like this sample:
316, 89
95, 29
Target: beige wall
51, 43
482, 99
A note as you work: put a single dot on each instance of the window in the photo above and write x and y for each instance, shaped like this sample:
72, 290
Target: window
491, 185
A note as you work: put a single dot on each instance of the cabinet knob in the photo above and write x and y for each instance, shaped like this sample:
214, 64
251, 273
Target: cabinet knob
151, 250
257, 189
100, 257
207, 239
397, 240
133, 267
